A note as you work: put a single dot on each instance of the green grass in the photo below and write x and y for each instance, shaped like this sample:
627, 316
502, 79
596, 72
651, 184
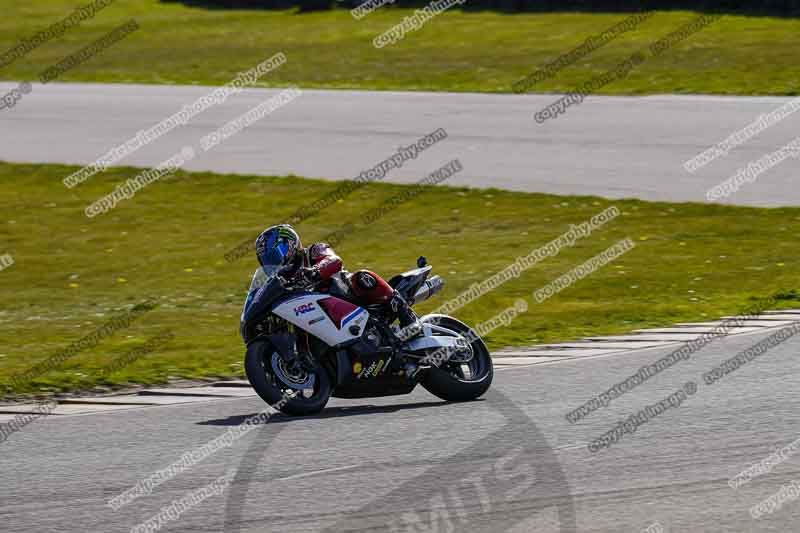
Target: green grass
691, 262
456, 51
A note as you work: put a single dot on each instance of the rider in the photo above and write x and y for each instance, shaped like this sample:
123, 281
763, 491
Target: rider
279, 247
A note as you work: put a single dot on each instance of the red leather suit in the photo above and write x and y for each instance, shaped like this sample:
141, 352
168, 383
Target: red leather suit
367, 286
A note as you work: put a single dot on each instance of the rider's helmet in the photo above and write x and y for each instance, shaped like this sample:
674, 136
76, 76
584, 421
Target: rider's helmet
278, 247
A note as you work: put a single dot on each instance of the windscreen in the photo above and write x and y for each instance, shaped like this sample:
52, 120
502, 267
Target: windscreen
261, 276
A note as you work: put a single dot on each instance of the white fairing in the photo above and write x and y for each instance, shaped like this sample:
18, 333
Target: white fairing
306, 313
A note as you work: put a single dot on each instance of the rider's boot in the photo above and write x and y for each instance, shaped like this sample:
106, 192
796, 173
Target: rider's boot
410, 326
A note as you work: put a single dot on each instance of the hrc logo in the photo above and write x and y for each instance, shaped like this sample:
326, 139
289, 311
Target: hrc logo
303, 309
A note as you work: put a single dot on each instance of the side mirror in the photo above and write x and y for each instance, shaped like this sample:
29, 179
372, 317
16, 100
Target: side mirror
422, 261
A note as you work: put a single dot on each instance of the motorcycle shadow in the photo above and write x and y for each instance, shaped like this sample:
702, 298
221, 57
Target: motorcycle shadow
330, 412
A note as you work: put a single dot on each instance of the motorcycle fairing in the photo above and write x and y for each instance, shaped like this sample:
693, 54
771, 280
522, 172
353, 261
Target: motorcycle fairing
409, 282
307, 312
341, 312
263, 292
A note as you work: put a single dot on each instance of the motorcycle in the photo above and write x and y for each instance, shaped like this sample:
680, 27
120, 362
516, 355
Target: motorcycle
306, 346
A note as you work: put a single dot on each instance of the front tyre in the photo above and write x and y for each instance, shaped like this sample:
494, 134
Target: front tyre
294, 391
460, 382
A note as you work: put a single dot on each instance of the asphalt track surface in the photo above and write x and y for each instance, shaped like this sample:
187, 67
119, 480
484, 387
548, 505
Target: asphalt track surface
614, 147
510, 462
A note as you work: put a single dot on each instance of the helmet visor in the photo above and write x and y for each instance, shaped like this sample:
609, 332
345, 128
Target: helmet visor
275, 255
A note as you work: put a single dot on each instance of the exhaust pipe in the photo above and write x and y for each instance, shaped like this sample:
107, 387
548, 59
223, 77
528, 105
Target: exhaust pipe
429, 288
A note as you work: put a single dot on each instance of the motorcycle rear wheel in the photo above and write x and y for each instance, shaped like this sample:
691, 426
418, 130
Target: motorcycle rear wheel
460, 382
274, 384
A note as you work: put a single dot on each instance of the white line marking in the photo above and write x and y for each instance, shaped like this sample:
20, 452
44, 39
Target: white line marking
309, 474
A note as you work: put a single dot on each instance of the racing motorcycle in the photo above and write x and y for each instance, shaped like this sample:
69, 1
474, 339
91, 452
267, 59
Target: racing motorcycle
304, 346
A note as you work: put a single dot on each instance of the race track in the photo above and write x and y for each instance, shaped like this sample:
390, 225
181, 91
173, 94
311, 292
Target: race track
510, 462
614, 147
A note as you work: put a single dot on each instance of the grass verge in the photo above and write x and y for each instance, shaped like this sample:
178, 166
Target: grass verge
456, 51
72, 274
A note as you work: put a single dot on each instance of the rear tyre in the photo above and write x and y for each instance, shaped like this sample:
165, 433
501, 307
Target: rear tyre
293, 392
460, 382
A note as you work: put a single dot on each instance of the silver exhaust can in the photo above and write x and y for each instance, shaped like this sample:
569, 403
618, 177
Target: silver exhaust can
431, 286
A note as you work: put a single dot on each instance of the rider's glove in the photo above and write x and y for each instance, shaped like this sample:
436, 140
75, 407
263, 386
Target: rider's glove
308, 275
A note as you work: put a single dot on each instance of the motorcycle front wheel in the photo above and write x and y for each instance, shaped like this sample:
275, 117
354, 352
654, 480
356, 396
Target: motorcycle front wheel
289, 388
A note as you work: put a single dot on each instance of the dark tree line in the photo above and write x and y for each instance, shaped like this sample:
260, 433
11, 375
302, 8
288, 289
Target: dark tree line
754, 7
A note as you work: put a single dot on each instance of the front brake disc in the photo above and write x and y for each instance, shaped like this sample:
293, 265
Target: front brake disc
296, 378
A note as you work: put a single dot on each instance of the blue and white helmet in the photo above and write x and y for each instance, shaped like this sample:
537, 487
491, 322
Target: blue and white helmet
277, 247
